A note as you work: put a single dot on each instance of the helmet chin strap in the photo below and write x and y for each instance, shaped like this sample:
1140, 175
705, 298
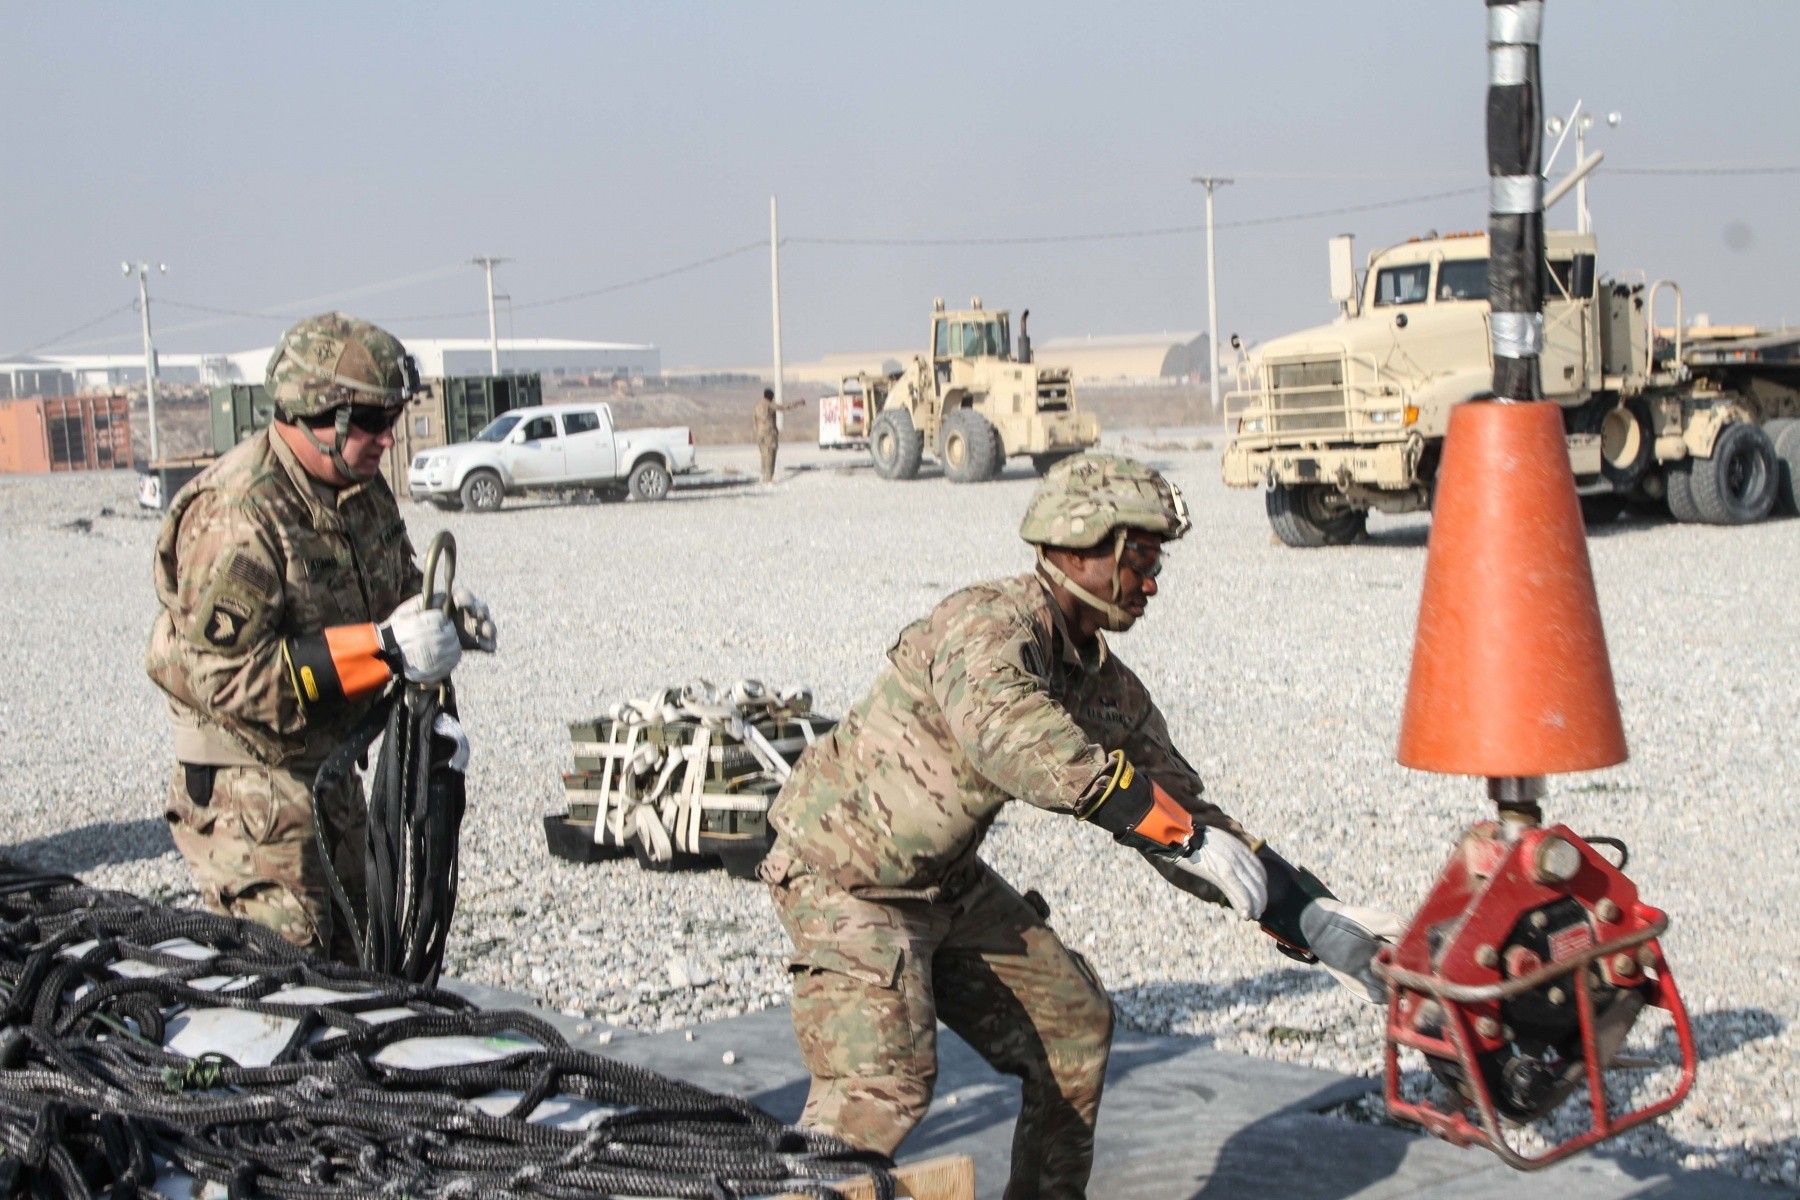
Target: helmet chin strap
336, 452
1116, 619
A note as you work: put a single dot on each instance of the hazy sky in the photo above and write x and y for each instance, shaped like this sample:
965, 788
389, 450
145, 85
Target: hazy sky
279, 156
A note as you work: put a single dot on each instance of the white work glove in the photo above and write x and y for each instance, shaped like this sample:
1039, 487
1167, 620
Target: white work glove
475, 624
1229, 866
424, 640
1345, 938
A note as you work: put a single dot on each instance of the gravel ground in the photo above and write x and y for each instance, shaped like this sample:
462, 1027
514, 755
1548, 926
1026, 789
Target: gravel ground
1281, 673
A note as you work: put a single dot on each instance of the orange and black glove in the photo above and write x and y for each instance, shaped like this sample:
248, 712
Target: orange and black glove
1138, 813
349, 662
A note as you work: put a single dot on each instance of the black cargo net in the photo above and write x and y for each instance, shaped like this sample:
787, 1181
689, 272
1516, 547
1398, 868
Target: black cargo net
93, 1105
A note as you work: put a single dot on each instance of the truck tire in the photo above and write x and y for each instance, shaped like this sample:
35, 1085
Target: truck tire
1601, 508
482, 491
649, 480
999, 457
1301, 519
895, 447
1679, 496
1785, 433
1041, 463
966, 447
1737, 483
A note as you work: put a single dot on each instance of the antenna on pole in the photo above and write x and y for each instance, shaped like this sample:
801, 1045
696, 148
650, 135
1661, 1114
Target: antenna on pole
488, 264
143, 278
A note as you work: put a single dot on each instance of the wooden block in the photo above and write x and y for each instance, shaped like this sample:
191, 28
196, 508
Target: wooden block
951, 1177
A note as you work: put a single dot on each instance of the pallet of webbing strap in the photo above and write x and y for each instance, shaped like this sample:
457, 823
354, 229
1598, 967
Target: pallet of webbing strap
683, 776
145, 1050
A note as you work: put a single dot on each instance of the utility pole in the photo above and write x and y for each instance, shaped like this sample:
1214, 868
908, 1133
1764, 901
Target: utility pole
1210, 182
489, 264
775, 294
143, 278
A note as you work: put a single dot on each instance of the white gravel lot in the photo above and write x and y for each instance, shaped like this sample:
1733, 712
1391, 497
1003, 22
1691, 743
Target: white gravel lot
1281, 673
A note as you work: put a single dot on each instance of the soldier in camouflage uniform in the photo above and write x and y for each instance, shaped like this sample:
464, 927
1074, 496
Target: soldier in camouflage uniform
1007, 690
767, 425
289, 600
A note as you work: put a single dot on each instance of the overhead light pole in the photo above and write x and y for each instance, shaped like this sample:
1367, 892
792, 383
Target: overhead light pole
143, 278
1210, 183
488, 264
775, 294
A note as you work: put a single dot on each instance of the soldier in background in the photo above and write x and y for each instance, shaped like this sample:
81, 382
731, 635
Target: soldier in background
1007, 690
764, 419
289, 600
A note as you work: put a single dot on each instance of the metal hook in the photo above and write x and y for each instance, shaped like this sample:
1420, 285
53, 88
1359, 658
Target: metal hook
443, 545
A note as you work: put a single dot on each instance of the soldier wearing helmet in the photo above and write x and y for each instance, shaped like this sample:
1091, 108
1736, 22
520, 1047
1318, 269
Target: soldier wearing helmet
289, 601
1007, 691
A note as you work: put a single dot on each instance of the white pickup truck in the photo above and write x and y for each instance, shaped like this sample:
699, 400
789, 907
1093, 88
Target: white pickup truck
554, 447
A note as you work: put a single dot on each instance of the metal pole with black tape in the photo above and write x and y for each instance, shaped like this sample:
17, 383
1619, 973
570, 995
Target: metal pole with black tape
1515, 197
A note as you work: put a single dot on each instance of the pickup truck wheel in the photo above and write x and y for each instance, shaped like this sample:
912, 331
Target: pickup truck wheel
1679, 491
649, 481
1041, 463
1737, 484
1785, 433
967, 447
895, 447
482, 491
1302, 519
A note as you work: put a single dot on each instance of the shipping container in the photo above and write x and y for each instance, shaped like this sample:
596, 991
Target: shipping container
454, 410
65, 433
239, 410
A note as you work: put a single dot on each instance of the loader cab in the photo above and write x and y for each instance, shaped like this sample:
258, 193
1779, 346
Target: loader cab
967, 336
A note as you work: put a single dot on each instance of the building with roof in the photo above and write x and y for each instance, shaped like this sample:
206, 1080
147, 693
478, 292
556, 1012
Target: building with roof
73, 374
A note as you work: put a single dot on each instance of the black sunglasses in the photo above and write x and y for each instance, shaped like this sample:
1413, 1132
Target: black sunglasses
1154, 556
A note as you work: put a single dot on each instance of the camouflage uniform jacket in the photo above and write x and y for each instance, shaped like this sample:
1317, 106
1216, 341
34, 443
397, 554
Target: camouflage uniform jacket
986, 700
250, 555
763, 421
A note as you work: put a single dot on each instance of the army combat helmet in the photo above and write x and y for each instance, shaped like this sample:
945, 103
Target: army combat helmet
1089, 500
332, 363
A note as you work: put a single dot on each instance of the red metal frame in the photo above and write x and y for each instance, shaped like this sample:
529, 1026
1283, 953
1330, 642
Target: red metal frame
1488, 885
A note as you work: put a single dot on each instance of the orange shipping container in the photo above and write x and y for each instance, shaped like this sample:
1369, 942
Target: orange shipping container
65, 433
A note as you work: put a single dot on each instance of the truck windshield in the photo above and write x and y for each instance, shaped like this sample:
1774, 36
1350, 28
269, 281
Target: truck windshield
1403, 285
986, 339
498, 428
1462, 279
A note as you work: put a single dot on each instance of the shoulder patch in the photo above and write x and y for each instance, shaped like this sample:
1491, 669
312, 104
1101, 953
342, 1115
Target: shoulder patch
224, 623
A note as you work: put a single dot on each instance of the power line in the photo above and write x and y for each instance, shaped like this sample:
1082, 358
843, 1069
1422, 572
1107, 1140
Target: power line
1781, 169
1120, 235
759, 244
69, 333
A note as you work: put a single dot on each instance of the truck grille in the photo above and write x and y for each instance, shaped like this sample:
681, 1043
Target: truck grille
1307, 397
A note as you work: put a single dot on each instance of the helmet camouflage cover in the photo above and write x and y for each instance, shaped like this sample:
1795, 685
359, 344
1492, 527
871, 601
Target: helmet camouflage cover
1084, 498
332, 360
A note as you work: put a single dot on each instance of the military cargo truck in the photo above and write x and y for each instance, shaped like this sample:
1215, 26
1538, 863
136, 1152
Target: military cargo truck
1350, 417
973, 402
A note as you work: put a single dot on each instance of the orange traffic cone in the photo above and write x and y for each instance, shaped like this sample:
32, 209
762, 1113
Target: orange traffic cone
1510, 675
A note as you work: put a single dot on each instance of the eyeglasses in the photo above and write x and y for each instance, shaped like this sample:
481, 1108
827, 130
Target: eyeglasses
375, 420
1153, 558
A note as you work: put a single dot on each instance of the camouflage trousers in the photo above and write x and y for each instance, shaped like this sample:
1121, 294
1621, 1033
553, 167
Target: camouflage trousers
766, 448
247, 834
872, 980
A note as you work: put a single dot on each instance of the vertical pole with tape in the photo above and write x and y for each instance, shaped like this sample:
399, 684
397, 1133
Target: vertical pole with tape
1515, 197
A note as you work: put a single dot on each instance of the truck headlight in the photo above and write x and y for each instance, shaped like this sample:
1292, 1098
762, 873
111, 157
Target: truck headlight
1250, 425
